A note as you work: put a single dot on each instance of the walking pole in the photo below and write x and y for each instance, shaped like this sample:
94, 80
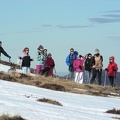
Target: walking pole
9, 60
105, 78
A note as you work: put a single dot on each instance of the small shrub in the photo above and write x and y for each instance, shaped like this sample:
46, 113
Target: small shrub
113, 111
54, 87
50, 101
8, 117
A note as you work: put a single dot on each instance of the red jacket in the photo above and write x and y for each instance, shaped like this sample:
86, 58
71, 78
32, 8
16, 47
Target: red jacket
50, 64
112, 67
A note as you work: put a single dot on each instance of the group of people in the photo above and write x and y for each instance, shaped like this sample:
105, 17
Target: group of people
89, 68
81, 68
44, 62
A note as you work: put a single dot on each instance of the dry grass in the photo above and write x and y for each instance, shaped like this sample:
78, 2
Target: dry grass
50, 101
60, 84
8, 117
113, 111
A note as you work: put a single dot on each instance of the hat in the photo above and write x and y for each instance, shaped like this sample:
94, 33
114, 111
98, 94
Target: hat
96, 51
49, 54
40, 47
0, 42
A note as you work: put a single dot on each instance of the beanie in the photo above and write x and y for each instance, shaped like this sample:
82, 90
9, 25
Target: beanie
96, 51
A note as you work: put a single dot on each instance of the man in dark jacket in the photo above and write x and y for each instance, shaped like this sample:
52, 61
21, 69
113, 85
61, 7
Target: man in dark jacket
3, 51
87, 68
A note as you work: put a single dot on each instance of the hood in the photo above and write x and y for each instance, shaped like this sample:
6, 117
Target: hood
112, 57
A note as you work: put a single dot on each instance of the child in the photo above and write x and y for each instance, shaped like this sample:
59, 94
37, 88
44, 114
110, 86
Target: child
78, 65
112, 69
39, 58
25, 60
50, 64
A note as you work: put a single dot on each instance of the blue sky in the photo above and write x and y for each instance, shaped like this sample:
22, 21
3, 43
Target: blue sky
59, 25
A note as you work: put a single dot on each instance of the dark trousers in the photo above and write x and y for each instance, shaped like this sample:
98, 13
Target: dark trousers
111, 79
96, 73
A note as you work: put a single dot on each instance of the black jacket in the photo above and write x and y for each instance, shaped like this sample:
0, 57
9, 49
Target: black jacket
26, 60
3, 52
87, 64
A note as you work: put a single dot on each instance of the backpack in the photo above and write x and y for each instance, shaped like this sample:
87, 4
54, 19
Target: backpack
98, 62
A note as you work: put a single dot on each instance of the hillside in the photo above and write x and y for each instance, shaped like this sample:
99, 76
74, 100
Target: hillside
59, 83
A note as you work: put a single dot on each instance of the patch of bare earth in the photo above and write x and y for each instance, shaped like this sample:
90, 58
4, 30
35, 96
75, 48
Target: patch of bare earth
50, 101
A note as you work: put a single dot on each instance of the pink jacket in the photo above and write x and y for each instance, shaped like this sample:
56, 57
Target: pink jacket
77, 63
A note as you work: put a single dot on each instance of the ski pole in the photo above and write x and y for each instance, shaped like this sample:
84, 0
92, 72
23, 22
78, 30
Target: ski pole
9, 60
105, 78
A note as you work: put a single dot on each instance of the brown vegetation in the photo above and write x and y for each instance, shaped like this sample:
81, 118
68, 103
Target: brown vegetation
8, 117
50, 101
58, 83
113, 111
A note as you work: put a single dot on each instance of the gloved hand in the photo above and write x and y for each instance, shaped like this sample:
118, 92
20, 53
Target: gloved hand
52, 66
80, 67
113, 68
106, 69
9, 57
71, 65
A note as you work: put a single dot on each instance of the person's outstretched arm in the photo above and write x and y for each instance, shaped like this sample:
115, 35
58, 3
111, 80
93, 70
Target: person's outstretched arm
4, 53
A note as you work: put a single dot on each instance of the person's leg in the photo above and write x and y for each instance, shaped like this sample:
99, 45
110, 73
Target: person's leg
111, 79
80, 77
99, 76
87, 77
28, 70
72, 76
50, 72
76, 76
90, 76
94, 72
38, 68
24, 69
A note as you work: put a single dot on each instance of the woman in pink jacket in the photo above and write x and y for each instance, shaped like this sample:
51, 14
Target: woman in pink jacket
78, 65
112, 68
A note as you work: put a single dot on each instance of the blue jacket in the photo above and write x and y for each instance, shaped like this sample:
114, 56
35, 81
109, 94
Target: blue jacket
71, 57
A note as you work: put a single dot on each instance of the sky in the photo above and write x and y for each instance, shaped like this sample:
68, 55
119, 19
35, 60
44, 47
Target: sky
59, 25
19, 99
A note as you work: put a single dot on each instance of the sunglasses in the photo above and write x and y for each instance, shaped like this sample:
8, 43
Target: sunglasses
71, 51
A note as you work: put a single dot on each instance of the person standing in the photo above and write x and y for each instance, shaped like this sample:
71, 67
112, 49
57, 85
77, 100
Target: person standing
96, 64
44, 57
79, 68
111, 69
50, 64
26, 60
87, 68
69, 61
39, 58
3, 52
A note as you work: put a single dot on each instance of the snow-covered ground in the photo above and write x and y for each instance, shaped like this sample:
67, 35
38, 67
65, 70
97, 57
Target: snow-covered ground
14, 101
